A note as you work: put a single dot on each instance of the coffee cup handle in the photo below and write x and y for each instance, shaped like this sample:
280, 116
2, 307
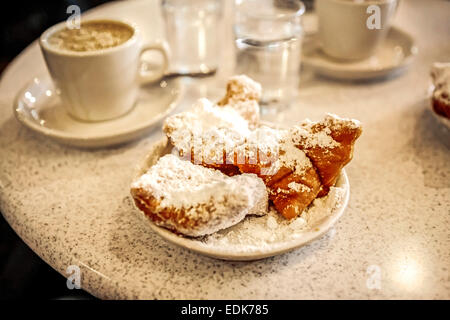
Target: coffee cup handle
152, 76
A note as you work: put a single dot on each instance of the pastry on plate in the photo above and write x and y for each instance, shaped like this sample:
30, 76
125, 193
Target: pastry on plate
440, 76
297, 165
225, 164
194, 200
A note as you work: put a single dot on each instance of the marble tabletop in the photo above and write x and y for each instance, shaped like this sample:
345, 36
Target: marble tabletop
73, 207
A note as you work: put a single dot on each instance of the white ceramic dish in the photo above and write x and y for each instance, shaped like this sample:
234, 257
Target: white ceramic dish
243, 252
38, 107
394, 55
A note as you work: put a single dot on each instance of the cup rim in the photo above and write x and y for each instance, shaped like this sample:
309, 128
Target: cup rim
43, 39
279, 16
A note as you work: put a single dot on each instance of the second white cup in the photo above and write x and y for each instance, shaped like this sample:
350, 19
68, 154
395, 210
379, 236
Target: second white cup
348, 28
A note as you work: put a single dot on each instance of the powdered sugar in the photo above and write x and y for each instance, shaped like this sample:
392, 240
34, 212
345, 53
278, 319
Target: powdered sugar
210, 131
310, 135
276, 148
243, 95
298, 187
204, 122
321, 139
214, 135
261, 145
292, 157
180, 184
256, 233
195, 200
242, 88
334, 122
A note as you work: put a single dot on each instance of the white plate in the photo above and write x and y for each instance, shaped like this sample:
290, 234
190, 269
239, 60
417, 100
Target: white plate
38, 107
395, 54
244, 251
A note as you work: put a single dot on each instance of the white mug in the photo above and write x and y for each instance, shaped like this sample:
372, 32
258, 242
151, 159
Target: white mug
348, 29
101, 84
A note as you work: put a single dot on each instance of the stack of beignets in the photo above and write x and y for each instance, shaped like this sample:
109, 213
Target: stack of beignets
296, 165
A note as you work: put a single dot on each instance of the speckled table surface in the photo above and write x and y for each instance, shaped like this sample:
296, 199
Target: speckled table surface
72, 207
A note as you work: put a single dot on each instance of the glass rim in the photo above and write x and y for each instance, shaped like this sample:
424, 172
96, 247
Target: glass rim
279, 16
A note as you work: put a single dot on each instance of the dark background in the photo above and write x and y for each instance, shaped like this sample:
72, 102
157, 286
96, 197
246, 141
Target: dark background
22, 273
21, 22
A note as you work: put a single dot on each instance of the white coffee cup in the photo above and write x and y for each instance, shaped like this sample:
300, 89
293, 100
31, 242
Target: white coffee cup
348, 29
101, 84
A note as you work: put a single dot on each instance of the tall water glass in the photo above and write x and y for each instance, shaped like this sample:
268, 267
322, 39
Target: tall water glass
193, 31
268, 40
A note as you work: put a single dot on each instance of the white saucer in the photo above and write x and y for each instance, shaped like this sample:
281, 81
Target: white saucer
38, 107
245, 249
395, 54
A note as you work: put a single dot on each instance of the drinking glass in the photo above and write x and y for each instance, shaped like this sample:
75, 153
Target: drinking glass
268, 41
193, 33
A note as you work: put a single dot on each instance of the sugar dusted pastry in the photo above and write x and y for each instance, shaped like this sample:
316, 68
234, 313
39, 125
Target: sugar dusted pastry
297, 165
290, 177
303, 163
241, 88
440, 75
329, 144
194, 200
206, 133
205, 118
243, 95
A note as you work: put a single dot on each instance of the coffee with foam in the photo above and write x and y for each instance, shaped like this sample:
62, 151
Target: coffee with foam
91, 36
